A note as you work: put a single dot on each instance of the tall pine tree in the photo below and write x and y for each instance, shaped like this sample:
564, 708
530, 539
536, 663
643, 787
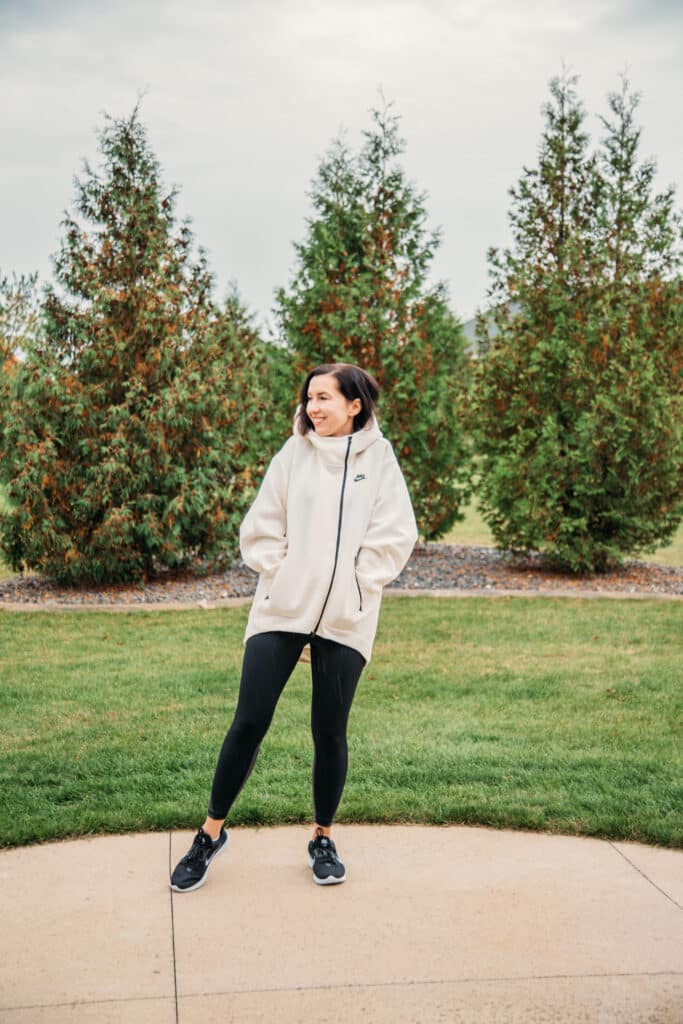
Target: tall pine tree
135, 415
573, 415
359, 294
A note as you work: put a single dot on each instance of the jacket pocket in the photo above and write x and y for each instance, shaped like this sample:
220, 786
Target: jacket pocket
289, 592
346, 607
265, 584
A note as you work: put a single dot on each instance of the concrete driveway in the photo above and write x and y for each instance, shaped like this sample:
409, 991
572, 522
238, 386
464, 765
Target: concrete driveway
434, 924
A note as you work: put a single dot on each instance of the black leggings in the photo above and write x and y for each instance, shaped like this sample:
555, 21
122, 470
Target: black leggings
269, 660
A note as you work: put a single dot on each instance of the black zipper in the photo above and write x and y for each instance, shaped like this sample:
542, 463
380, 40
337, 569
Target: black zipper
360, 592
336, 553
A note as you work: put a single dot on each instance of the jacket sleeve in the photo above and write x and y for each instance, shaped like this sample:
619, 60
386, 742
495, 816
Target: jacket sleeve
263, 539
392, 531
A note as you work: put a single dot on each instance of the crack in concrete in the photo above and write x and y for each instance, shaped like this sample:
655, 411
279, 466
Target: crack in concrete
643, 875
86, 1002
175, 976
361, 985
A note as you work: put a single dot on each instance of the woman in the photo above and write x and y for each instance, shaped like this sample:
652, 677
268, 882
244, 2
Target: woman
331, 525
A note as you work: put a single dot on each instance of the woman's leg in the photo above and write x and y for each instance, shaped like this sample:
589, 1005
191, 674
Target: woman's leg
269, 660
335, 669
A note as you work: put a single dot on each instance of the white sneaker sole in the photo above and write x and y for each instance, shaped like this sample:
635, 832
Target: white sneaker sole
330, 880
201, 881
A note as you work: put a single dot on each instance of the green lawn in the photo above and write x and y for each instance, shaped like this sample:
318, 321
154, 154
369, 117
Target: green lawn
554, 714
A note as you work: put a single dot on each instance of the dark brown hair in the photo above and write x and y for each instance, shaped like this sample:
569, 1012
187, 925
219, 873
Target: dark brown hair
353, 383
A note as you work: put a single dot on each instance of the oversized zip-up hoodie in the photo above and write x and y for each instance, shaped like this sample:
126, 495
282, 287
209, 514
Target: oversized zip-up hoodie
331, 525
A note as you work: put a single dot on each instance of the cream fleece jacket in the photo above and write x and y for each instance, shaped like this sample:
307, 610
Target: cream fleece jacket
331, 525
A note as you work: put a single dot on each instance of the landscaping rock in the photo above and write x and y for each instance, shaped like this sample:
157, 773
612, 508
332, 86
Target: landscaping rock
432, 566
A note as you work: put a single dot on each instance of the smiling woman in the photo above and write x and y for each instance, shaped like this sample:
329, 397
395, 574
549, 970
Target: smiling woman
331, 525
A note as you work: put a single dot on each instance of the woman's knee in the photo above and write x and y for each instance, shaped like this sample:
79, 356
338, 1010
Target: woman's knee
248, 730
329, 741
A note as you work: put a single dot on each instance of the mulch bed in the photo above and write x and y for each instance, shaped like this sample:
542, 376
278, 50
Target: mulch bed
432, 566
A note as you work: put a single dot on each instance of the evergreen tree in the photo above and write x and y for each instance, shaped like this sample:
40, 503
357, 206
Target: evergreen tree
285, 385
359, 295
136, 412
636, 344
573, 412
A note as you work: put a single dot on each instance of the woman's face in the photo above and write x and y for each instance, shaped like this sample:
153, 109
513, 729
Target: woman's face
332, 414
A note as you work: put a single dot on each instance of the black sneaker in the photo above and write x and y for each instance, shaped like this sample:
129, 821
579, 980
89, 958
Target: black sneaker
190, 871
322, 857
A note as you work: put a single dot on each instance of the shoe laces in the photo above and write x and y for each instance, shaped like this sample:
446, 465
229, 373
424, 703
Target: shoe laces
323, 850
200, 845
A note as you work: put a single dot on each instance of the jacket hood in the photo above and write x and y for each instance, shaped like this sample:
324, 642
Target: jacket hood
337, 446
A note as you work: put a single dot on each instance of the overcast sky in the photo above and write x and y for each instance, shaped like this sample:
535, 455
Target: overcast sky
242, 99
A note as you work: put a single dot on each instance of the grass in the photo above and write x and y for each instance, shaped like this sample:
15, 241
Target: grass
561, 715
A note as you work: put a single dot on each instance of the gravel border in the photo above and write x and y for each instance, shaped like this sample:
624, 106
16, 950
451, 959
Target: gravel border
434, 569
